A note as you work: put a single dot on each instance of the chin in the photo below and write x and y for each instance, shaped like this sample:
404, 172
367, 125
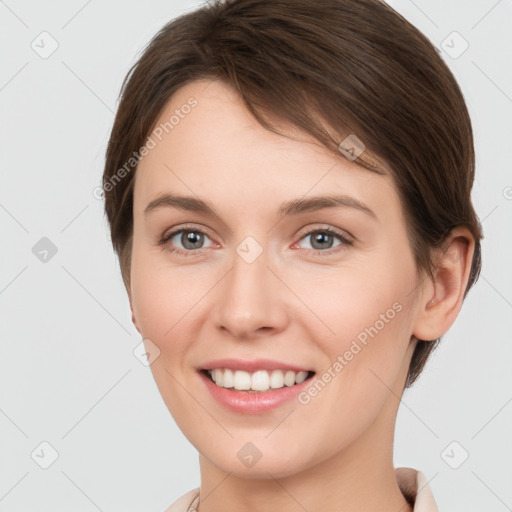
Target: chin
260, 459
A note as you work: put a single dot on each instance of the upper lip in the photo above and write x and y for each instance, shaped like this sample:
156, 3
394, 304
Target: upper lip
251, 366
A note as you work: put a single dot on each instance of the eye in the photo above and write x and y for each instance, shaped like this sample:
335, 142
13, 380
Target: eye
191, 240
322, 240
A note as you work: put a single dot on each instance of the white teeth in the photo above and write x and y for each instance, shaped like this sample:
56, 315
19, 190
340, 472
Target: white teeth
260, 381
257, 381
227, 380
242, 380
301, 377
276, 379
289, 378
218, 376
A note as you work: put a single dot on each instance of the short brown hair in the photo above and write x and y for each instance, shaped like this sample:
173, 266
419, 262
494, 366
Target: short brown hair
356, 65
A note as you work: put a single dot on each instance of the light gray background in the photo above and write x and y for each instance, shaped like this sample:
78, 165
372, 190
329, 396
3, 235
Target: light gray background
67, 372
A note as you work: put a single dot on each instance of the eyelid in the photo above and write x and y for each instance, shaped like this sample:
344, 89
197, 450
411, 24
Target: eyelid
328, 228
185, 227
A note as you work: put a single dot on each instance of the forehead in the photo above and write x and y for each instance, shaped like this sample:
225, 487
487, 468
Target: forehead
207, 141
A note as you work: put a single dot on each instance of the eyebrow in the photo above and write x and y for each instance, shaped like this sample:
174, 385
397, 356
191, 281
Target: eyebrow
294, 207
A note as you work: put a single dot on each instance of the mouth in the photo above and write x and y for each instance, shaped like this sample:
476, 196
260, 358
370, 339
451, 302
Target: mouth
259, 381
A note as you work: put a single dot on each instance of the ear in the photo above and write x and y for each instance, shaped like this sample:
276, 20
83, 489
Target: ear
134, 320
442, 297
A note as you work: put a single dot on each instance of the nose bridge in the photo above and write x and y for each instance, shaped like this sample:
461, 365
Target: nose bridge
251, 296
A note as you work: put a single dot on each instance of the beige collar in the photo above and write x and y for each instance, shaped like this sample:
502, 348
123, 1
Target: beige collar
412, 483
415, 488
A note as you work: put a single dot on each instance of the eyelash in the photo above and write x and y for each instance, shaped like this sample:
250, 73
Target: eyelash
346, 242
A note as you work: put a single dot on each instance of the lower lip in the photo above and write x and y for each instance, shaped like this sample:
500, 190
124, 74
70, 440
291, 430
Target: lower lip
253, 403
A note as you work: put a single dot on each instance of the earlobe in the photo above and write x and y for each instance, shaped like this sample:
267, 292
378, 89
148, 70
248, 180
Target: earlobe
134, 321
442, 298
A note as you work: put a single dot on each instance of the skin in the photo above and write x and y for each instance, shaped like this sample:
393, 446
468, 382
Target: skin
292, 304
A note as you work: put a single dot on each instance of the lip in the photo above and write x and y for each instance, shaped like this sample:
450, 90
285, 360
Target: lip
251, 366
252, 403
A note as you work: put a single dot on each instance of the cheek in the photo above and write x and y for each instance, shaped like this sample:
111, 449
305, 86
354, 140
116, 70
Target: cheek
356, 303
163, 306
362, 322
157, 301
364, 361
168, 302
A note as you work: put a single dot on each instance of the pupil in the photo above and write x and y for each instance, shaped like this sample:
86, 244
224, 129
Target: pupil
192, 238
321, 237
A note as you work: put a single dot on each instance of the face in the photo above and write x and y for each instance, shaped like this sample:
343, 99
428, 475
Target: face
270, 279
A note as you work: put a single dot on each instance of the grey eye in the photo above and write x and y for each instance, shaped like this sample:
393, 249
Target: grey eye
189, 239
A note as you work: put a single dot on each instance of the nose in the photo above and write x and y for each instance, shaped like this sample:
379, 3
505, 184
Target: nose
251, 300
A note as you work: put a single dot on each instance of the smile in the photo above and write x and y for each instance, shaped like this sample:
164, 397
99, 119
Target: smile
259, 381
254, 392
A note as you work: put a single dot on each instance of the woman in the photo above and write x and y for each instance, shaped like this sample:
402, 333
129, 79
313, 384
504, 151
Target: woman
249, 134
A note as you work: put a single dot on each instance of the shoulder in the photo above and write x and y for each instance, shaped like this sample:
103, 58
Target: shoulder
415, 488
182, 504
